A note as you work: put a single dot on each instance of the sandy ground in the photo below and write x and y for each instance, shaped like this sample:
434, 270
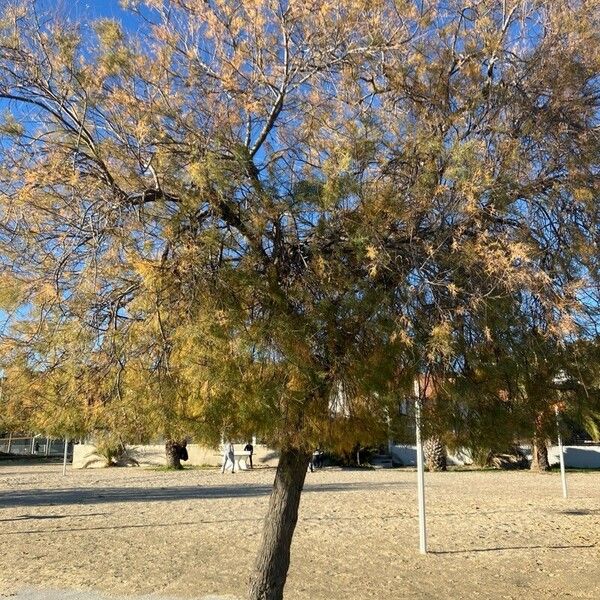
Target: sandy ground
194, 533
52, 594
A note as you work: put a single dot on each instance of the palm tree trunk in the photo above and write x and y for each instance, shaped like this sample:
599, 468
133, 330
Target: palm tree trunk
539, 455
273, 560
434, 452
172, 451
539, 451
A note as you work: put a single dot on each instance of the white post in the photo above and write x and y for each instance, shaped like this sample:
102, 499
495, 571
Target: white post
420, 472
9, 442
47, 446
65, 456
390, 440
561, 455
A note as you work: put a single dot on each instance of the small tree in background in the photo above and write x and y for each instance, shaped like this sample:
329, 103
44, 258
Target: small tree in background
507, 388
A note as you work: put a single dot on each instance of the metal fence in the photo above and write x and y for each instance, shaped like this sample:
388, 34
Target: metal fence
36, 445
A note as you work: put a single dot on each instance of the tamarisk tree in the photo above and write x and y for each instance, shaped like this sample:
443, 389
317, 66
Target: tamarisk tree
268, 216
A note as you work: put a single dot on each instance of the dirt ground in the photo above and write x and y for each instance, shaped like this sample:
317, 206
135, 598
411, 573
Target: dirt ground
194, 533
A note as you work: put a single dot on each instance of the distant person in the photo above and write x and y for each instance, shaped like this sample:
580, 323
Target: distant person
319, 456
249, 448
314, 461
228, 456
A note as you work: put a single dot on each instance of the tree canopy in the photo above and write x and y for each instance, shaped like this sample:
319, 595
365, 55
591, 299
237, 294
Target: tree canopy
269, 216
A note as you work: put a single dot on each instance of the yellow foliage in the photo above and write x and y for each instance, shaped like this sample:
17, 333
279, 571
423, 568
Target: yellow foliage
217, 227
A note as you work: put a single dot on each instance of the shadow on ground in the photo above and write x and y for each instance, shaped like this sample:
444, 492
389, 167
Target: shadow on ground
106, 495
501, 548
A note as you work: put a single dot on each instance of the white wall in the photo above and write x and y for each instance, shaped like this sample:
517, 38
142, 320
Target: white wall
576, 457
84, 455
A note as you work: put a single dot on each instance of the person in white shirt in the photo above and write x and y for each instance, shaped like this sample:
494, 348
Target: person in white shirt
228, 456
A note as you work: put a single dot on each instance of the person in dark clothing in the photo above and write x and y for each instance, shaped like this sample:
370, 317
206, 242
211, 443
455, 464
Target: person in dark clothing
249, 448
318, 458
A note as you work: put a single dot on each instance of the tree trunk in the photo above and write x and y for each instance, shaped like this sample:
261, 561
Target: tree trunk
539, 455
172, 451
273, 560
434, 451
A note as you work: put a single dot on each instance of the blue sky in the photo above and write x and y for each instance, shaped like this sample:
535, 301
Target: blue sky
85, 9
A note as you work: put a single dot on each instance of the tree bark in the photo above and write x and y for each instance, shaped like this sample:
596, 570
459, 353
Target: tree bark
434, 452
172, 451
539, 455
273, 560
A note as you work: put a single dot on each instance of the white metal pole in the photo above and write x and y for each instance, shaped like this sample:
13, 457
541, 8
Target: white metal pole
65, 456
420, 472
561, 455
9, 442
47, 446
